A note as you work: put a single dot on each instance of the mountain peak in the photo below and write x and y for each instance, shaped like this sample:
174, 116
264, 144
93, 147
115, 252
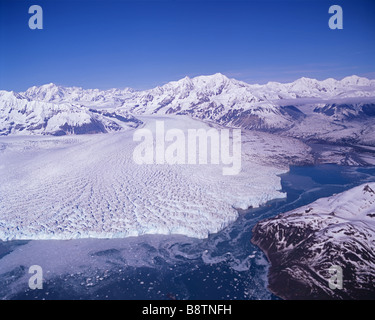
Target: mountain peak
352, 77
216, 76
306, 80
356, 80
219, 75
50, 85
211, 81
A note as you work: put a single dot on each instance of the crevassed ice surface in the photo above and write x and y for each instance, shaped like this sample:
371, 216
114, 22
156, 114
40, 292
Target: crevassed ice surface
89, 186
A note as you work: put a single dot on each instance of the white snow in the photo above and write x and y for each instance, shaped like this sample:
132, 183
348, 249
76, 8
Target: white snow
356, 204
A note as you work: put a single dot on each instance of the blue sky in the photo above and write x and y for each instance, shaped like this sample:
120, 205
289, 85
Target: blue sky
142, 44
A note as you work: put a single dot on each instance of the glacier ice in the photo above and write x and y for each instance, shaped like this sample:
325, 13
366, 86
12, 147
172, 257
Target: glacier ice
88, 186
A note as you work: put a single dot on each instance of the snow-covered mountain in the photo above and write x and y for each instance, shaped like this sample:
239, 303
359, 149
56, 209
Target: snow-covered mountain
21, 115
270, 107
215, 87
303, 244
57, 94
230, 102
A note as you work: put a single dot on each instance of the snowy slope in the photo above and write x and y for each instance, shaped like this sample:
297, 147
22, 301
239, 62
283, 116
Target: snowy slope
303, 244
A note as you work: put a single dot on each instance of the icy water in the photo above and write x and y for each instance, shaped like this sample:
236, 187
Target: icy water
224, 266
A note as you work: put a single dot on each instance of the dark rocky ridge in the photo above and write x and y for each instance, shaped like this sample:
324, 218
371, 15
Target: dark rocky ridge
303, 244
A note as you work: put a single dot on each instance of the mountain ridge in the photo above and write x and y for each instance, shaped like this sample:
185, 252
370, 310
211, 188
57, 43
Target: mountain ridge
348, 80
272, 107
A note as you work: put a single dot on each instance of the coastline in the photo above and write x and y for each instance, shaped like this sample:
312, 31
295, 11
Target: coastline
271, 264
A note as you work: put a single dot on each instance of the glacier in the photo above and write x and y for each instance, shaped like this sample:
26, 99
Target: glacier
88, 186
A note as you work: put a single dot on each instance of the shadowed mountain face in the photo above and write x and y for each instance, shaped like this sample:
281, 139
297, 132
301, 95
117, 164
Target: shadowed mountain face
347, 111
94, 126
